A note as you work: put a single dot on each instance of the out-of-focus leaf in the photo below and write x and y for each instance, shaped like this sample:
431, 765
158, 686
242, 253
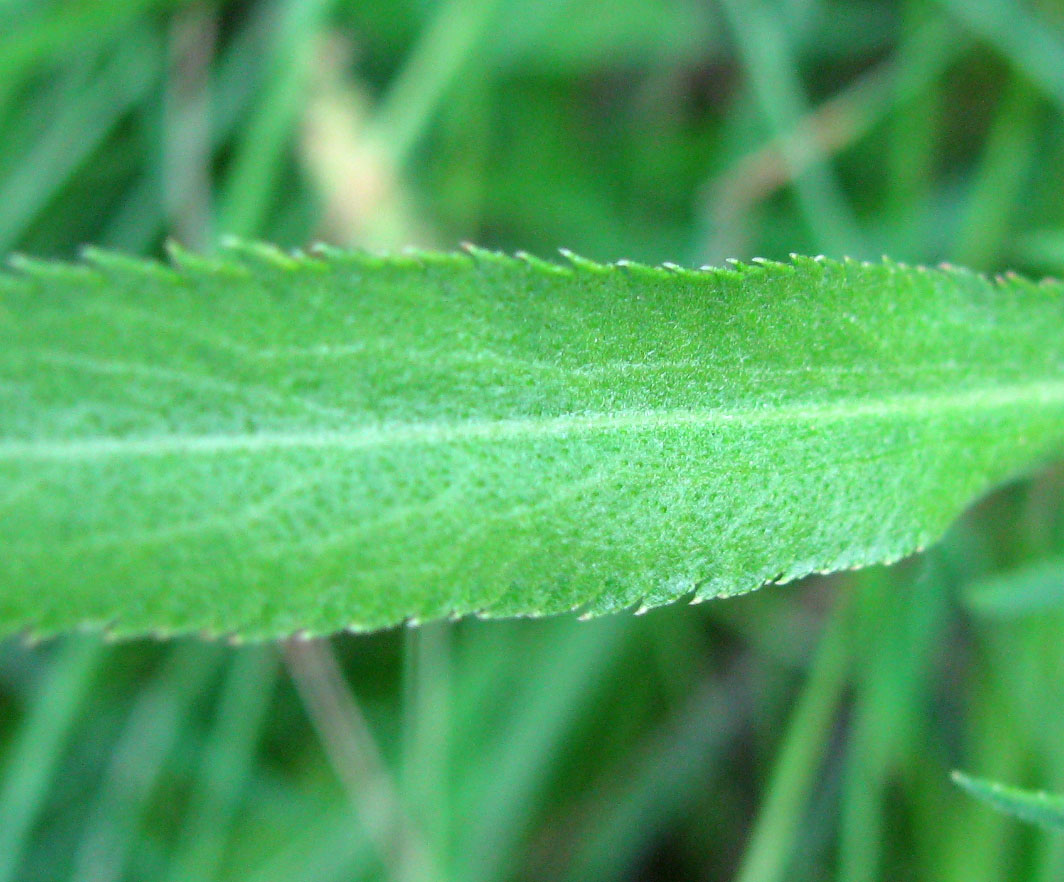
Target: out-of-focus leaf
1036, 807
1029, 589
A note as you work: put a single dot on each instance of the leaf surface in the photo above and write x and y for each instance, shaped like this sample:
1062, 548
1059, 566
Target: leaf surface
260, 444
1033, 806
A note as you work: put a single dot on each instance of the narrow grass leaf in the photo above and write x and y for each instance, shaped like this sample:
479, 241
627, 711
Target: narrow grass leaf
34, 753
1029, 589
1033, 806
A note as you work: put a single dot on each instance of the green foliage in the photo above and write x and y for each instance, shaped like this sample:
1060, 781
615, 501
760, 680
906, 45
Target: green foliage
1027, 805
781, 736
1026, 590
261, 444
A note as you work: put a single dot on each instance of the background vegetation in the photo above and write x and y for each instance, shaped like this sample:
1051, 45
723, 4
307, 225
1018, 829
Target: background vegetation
804, 732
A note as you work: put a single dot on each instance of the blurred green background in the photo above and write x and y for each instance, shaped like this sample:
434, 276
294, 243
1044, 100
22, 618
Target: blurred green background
803, 732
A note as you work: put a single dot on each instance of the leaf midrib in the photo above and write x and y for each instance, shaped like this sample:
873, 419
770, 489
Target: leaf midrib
433, 433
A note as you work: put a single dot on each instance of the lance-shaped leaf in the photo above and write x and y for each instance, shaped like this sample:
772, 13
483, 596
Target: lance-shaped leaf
260, 444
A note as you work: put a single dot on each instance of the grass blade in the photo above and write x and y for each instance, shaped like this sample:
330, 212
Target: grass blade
38, 745
1029, 589
772, 841
157, 720
227, 765
1033, 806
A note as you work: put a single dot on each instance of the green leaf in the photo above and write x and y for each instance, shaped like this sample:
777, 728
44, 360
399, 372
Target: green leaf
1027, 805
1032, 588
260, 444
